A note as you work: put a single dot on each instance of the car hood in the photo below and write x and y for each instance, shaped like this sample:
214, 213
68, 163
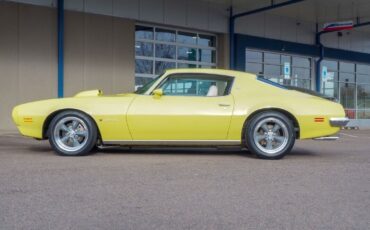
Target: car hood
85, 100
100, 93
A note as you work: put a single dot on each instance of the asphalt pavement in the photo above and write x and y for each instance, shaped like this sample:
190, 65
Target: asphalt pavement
320, 185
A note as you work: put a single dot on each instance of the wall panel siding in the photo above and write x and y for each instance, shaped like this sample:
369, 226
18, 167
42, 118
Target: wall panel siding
288, 29
75, 5
99, 53
126, 9
74, 53
252, 25
306, 32
8, 63
196, 14
218, 18
151, 10
285, 28
367, 44
356, 41
37, 53
103, 7
174, 13
272, 26
123, 55
330, 40
344, 42
38, 2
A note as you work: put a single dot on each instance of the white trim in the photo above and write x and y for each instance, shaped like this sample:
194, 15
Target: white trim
174, 60
175, 28
178, 44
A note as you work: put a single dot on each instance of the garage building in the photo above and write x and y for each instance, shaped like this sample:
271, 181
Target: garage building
56, 48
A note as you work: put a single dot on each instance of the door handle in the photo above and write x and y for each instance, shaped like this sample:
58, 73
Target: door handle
224, 105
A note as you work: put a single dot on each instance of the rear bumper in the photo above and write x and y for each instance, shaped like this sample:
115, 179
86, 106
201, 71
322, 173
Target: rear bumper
338, 121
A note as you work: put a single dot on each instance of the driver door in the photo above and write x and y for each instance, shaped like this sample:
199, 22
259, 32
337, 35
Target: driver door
187, 110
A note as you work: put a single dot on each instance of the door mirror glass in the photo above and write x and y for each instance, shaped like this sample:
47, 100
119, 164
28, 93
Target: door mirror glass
158, 92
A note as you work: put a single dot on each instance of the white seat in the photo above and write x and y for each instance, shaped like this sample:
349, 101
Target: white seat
212, 91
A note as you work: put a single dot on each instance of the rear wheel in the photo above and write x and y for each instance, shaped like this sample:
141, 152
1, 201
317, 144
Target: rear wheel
270, 135
72, 133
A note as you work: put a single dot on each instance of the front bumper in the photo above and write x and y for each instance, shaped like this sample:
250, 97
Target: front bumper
339, 121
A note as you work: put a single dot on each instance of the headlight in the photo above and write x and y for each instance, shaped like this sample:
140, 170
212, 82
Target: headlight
15, 115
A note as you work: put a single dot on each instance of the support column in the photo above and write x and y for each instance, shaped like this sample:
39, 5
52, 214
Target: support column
60, 48
231, 39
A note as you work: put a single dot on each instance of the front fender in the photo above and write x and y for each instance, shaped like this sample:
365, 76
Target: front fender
109, 113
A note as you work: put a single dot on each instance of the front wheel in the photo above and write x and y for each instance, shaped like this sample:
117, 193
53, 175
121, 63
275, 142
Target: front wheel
270, 135
72, 133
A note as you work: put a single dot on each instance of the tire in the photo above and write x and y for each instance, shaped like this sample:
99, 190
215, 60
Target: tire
72, 133
270, 135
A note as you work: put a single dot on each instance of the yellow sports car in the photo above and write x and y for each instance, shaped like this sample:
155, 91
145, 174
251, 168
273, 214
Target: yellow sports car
185, 107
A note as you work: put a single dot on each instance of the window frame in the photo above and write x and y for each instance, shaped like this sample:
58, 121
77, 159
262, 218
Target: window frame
177, 44
338, 81
282, 55
228, 89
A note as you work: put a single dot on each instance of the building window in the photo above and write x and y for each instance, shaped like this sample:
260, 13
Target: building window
160, 48
349, 83
271, 66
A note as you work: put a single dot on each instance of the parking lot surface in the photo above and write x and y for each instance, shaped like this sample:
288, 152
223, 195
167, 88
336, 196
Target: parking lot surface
320, 185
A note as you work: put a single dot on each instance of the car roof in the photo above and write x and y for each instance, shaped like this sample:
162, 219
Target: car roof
211, 71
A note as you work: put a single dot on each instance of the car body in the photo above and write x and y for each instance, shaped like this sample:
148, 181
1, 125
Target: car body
175, 109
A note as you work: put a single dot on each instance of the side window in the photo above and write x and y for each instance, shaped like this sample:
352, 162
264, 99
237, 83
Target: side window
197, 85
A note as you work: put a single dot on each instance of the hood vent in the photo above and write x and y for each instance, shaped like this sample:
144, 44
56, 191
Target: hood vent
90, 93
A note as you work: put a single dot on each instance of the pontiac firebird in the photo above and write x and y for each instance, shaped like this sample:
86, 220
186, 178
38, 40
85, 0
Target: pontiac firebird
185, 107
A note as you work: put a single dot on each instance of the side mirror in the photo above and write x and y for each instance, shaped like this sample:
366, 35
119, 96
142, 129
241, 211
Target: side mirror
158, 93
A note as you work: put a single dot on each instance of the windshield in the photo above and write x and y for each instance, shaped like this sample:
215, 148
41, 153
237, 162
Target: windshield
143, 89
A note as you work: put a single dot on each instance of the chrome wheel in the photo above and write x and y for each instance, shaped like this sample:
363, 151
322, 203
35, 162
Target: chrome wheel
271, 136
71, 134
